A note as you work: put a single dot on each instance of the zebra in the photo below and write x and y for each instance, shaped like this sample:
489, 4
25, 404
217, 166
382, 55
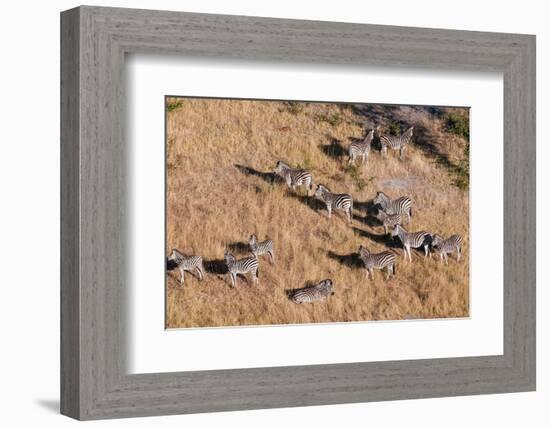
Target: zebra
186, 263
294, 177
361, 148
379, 261
388, 220
398, 142
242, 266
312, 293
447, 246
261, 248
402, 205
342, 202
412, 240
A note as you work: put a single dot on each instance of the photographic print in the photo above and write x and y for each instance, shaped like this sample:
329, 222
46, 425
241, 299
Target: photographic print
292, 212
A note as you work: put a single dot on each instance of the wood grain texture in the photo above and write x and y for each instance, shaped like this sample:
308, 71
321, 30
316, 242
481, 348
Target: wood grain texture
95, 235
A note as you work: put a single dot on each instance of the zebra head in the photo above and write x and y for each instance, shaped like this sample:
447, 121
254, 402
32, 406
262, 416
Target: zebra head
396, 230
174, 255
229, 258
320, 191
326, 285
380, 198
363, 251
436, 240
280, 167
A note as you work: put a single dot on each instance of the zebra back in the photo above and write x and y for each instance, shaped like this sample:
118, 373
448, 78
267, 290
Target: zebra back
339, 201
241, 266
260, 248
312, 293
414, 240
396, 142
376, 260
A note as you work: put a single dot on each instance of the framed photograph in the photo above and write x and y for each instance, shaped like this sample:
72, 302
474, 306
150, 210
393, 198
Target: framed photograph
262, 213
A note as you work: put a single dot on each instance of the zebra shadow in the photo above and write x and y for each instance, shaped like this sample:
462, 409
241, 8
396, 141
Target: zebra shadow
349, 260
311, 202
333, 149
238, 248
383, 239
170, 264
268, 177
215, 266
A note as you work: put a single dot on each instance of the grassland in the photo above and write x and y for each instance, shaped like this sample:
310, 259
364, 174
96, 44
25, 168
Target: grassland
220, 190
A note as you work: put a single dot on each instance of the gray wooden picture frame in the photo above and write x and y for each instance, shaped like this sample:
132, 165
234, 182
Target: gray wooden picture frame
94, 382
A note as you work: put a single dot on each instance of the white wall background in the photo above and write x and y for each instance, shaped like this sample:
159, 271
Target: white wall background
29, 214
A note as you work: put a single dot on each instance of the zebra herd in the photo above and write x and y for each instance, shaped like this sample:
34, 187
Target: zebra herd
390, 213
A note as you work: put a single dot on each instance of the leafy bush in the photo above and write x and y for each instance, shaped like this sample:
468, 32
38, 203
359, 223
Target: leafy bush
332, 119
394, 128
294, 107
458, 124
174, 105
355, 174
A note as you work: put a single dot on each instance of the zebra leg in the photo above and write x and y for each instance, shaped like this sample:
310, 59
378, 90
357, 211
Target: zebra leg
384, 151
426, 250
233, 279
458, 254
349, 212
446, 258
409, 252
271, 257
182, 276
199, 271
256, 275
385, 229
441, 257
329, 209
370, 274
401, 150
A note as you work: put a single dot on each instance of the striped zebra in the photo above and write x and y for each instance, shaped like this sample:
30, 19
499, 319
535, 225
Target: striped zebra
402, 205
186, 263
262, 248
379, 261
447, 246
396, 142
343, 202
313, 293
412, 240
361, 148
388, 220
294, 177
242, 266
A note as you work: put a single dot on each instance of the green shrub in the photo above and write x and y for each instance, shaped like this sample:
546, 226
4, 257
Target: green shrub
394, 128
174, 105
334, 119
458, 124
294, 107
354, 172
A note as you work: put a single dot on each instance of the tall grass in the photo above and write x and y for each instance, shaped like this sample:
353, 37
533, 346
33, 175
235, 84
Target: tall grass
219, 191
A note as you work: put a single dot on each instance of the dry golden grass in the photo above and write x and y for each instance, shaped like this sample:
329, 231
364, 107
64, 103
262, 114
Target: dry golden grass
212, 204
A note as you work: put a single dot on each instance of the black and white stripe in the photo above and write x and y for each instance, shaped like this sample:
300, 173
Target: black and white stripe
396, 142
377, 261
186, 263
447, 246
361, 148
343, 202
388, 220
262, 248
242, 266
412, 240
402, 205
294, 177
312, 293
